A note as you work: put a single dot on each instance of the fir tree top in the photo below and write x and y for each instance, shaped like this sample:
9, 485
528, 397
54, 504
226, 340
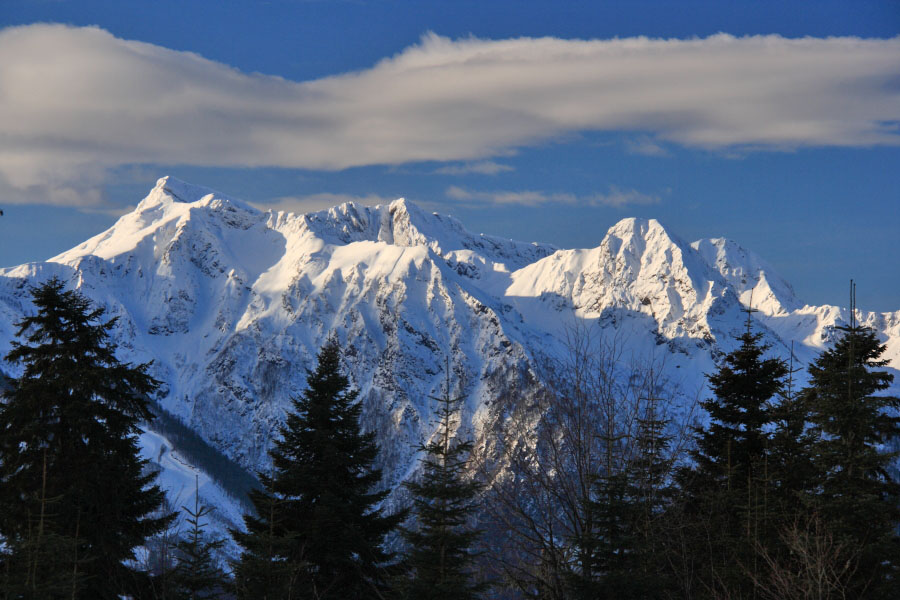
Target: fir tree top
857, 494
65, 344
740, 409
318, 531
444, 502
68, 432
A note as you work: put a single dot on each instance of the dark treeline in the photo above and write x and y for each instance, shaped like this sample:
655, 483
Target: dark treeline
783, 494
588, 485
228, 474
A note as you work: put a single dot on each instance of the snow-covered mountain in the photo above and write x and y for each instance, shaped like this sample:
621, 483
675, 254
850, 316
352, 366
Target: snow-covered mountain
232, 304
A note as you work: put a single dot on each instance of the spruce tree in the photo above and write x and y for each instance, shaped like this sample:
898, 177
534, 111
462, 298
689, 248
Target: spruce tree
790, 470
440, 559
651, 493
68, 432
44, 563
317, 532
607, 573
273, 563
723, 495
197, 574
856, 495
629, 498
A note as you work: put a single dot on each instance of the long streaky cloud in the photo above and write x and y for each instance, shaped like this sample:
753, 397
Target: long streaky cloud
76, 101
614, 197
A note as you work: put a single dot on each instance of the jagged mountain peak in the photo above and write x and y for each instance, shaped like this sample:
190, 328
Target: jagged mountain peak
171, 190
634, 226
646, 248
753, 279
637, 237
170, 207
639, 269
176, 219
397, 223
404, 223
636, 249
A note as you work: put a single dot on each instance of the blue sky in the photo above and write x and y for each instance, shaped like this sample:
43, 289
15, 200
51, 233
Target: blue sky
540, 121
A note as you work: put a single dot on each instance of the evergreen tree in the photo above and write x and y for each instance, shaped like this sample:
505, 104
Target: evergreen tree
317, 532
790, 470
723, 495
611, 560
44, 563
197, 575
68, 431
856, 495
443, 502
273, 564
651, 491
628, 501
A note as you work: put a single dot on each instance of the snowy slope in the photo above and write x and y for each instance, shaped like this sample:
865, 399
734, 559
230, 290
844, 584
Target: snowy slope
811, 328
751, 277
232, 303
182, 481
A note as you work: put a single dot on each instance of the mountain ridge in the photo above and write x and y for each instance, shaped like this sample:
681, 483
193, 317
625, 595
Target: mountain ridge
232, 303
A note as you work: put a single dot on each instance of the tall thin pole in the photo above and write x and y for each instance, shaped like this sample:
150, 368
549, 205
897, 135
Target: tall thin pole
750, 310
852, 334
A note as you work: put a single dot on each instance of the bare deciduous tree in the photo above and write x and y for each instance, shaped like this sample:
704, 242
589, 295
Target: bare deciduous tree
577, 419
819, 566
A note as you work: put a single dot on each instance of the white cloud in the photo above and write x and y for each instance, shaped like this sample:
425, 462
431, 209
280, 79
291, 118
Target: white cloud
614, 197
53, 184
644, 146
484, 167
618, 198
321, 201
76, 101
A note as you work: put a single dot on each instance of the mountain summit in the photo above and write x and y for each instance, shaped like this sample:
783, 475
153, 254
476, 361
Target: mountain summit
232, 303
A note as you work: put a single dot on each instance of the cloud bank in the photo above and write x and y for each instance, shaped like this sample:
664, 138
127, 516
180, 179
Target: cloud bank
614, 197
77, 101
484, 167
